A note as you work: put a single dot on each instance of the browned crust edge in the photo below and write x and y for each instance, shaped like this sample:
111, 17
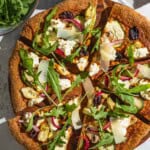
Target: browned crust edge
130, 18
21, 137
136, 134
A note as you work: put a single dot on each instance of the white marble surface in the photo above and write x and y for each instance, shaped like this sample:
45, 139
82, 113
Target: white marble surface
7, 142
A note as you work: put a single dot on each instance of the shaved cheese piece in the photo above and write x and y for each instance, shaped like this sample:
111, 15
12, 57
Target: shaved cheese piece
144, 70
119, 128
108, 53
42, 69
75, 117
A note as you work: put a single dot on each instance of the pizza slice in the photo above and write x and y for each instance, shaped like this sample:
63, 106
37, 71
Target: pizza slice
49, 41
111, 118
124, 39
49, 127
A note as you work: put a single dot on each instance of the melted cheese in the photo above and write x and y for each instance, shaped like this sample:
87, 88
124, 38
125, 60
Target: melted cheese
35, 59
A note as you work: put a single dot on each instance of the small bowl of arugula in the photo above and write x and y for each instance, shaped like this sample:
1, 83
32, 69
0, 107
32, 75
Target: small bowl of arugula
14, 12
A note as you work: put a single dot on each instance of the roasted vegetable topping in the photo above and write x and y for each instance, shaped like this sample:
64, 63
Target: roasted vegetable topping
66, 15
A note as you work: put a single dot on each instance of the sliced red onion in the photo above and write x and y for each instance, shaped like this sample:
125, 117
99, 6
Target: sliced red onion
136, 72
106, 81
42, 95
124, 78
54, 124
21, 121
116, 42
99, 93
36, 128
76, 23
107, 125
60, 52
86, 141
47, 87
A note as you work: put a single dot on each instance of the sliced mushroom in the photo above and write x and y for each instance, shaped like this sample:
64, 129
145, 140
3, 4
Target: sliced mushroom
29, 93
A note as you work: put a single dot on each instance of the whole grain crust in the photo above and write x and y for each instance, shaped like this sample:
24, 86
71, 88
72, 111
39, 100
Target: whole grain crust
22, 137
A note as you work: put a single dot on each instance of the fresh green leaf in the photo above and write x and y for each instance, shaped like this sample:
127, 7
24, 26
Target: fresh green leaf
53, 80
59, 135
130, 51
139, 88
46, 47
79, 79
70, 108
98, 114
56, 112
26, 61
106, 139
49, 17
30, 124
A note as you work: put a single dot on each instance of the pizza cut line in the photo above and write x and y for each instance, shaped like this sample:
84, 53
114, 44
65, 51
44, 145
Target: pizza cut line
80, 78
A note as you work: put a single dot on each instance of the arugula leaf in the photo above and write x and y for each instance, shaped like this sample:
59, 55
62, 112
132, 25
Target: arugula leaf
56, 112
72, 56
26, 61
106, 139
130, 51
59, 135
53, 80
46, 47
139, 88
49, 17
79, 79
97, 43
98, 114
70, 108
30, 124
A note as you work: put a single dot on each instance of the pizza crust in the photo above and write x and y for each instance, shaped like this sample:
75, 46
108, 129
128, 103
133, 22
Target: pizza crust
21, 137
136, 133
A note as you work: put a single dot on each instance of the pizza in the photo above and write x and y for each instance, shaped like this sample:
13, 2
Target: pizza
80, 78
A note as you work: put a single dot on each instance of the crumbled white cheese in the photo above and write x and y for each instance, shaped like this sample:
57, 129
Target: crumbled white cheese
66, 45
35, 101
82, 63
94, 69
115, 30
119, 128
144, 70
64, 83
35, 59
29, 93
56, 24
126, 83
27, 116
140, 52
74, 101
